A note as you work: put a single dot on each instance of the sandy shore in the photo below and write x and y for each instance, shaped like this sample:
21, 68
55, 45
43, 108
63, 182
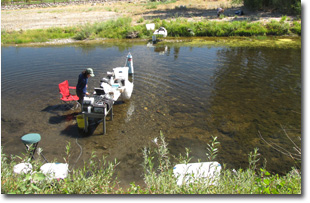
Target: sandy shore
71, 15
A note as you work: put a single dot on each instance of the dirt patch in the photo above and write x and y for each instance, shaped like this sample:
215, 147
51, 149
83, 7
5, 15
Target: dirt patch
42, 18
72, 15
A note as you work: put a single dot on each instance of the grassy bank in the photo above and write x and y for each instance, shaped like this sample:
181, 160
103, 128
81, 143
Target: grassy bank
122, 28
98, 176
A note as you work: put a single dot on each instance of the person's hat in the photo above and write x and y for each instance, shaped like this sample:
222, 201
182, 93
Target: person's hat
90, 72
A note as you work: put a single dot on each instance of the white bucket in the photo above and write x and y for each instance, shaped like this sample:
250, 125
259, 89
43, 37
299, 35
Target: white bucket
150, 26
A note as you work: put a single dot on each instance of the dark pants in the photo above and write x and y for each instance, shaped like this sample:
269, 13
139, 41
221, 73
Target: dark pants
81, 96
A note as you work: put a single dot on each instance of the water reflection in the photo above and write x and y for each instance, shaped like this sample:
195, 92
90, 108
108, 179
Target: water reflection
165, 50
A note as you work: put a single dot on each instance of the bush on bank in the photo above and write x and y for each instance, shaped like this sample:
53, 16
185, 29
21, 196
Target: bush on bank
97, 176
122, 28
39, 35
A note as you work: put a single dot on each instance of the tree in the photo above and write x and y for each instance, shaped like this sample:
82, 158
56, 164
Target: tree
285, 6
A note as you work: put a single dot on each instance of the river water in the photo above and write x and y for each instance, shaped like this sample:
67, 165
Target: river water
190, 93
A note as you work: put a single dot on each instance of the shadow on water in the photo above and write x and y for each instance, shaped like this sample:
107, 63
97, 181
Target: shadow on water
58, 112
63, 114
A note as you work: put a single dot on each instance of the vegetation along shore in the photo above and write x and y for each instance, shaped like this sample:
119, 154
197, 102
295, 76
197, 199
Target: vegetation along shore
128, 19
158, 176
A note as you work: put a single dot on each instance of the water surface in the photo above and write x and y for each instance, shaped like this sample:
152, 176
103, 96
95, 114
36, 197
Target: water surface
188, 93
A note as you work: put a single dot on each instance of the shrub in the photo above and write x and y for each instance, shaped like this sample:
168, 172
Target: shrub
85, 32
296, 28
277, 28
141, 20
4, 2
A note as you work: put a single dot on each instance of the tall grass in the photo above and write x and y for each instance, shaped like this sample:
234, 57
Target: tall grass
122, 27
116, 29
223, 29
38, 35
97, 176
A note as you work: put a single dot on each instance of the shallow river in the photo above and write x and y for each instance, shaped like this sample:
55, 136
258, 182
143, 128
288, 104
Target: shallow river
188, 93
